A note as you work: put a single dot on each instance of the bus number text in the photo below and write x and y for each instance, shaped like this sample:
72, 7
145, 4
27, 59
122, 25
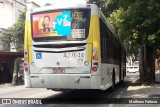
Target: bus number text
77, 15
73, 55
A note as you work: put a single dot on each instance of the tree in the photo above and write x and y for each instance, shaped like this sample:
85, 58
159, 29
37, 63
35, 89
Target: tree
15, 34
100, 3
138, 22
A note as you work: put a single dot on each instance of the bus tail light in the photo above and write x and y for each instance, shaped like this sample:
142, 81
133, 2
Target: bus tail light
25, 58
26, 69
25, 64
25, 53
95, 57
94, 69
95, 60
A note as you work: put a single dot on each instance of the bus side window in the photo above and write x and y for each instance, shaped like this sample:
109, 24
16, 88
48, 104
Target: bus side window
107, 46
104, 35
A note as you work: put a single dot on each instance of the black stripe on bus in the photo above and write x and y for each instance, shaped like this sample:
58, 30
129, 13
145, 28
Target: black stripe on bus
60, 45
60, 51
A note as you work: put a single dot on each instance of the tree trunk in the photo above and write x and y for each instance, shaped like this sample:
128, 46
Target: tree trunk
147, 65
141, 57
142, 64
16, 71
15, 79
150, 65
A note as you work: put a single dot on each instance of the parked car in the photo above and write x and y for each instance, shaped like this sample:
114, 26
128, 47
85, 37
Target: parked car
132, 69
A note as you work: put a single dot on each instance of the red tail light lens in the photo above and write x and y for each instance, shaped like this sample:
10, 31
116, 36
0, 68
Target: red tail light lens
94, 69
26, 69
25, 64
25, 53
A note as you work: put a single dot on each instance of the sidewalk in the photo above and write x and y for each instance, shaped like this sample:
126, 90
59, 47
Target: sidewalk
2, 85
137, 90
5, 84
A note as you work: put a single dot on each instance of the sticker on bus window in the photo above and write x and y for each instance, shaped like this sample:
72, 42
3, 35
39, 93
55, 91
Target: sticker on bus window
38, 55
78, 33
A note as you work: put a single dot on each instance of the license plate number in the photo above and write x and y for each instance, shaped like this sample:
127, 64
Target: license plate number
58, 70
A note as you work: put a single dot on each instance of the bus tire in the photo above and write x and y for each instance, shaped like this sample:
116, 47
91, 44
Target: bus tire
113, 80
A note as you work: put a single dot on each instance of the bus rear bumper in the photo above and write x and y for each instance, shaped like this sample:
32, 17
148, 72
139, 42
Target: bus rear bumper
65, 81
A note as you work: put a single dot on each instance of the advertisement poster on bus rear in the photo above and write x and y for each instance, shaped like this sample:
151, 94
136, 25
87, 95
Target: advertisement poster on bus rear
51, 24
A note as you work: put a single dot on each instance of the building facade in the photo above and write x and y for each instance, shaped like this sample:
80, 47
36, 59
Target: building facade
9, 12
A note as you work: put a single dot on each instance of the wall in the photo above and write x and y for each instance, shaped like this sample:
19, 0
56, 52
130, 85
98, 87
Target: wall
9, 12
6, 13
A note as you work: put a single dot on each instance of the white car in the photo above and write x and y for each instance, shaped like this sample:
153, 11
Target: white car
132, 69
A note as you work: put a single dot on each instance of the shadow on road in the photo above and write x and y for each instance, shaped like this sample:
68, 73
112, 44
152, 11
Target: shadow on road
94, 96
87, 96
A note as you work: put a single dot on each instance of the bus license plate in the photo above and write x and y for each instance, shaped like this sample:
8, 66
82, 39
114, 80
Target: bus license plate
58, 70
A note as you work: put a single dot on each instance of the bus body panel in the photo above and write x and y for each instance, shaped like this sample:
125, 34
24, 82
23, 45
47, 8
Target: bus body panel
63, 81
106, 74
71, 62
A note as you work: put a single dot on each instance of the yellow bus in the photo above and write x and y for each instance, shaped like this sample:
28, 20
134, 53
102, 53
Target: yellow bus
70, 47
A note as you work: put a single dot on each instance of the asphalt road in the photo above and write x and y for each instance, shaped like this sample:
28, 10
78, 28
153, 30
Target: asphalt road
78, 98
11, 91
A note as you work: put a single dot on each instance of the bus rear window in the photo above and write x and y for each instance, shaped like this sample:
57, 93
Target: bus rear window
53, 25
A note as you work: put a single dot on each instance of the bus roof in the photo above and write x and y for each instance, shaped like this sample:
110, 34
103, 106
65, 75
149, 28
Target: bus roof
60, 6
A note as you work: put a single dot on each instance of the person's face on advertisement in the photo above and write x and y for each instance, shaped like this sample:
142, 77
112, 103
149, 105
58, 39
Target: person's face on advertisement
46, 21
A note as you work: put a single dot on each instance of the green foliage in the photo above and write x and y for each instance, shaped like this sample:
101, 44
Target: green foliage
137, 21
15, 34
101, 4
